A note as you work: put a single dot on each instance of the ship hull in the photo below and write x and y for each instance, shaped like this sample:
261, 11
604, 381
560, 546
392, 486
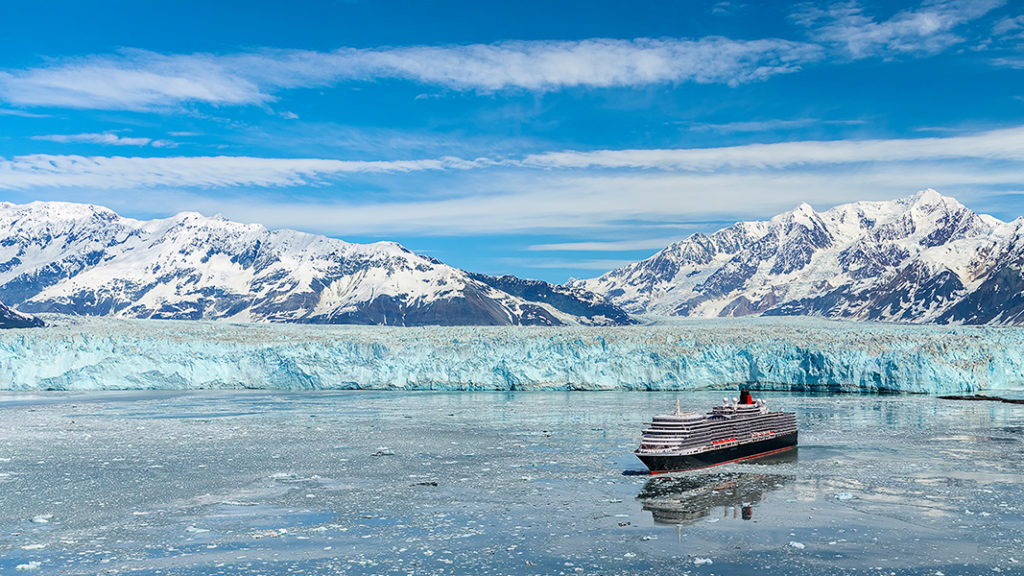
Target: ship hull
661, 463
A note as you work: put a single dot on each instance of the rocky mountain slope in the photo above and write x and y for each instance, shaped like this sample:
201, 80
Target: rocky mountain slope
10, 318
925, 258
84, 259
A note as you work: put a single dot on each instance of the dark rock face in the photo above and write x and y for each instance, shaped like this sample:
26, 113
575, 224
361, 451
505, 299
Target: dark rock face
10, 318
575, 301
1000, 298
86, 260
925, 258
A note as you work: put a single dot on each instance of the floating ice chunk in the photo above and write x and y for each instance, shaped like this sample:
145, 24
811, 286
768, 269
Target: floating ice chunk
33, 565
42, 518
194, 530
844, 496
701, 561
796, 545
33, 546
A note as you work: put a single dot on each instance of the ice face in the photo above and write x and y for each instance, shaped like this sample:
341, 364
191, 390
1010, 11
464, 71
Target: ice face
101, 353
268, 483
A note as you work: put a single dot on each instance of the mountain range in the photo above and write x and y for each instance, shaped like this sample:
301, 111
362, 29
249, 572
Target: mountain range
85, 259
924, 259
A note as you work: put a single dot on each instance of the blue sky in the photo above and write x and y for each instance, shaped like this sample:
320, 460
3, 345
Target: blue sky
543, 139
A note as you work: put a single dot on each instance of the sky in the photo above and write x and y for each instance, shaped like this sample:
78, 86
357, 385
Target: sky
543, 139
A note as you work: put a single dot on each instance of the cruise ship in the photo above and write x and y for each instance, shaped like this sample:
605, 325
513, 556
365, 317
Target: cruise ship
734, 430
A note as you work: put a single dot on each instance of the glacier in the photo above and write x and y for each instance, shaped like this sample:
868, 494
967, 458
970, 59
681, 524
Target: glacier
88, 353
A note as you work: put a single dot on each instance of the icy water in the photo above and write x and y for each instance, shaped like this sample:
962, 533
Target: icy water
497, 483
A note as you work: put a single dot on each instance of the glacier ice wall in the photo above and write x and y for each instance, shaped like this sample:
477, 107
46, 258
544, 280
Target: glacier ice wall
806, 354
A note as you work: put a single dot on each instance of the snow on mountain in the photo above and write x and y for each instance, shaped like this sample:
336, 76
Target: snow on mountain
84, 259
81, 353
925, 258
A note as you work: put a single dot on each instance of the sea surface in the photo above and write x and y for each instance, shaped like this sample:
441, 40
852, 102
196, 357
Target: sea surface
356, 482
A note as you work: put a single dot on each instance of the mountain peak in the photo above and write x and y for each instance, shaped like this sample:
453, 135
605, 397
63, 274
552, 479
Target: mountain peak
803, 214
929, 197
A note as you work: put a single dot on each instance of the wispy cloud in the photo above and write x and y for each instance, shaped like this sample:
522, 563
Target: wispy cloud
585, 203
109, 138
140, 80
605, 246
771, 125
21, 113
133, 80
595, 264
1010, 27
997, 144
594, 204
928, 29
120, 172
1017, 63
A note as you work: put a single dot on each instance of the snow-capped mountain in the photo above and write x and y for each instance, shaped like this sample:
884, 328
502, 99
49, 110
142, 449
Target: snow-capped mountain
925, 258
85, 259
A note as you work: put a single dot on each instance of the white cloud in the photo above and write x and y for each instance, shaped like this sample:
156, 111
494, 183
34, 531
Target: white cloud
21, 113
928, 29
102, 138
1005, 144
614, 204
602, 264
1017, 63
120, 172
140, 80
605, 246
771, 125
610, 204
1009, 27
134, 80
593, 63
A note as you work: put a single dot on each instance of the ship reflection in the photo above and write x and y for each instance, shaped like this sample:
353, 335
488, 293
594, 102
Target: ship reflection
689, 498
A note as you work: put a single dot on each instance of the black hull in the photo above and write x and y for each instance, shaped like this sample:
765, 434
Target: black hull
673, 463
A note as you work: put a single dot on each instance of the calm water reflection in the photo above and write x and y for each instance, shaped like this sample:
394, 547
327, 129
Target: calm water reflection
689, 497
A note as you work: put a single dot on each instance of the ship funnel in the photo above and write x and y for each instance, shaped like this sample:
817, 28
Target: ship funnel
745, 397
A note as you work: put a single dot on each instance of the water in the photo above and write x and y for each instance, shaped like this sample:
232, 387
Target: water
496, 483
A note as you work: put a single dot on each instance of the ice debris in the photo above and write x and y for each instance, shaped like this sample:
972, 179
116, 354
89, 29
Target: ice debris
33, 565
